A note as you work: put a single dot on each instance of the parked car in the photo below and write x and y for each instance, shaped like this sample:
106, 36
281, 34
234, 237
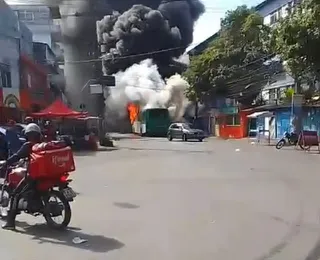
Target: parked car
185, 132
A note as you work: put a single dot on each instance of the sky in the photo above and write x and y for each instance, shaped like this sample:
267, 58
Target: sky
209, 22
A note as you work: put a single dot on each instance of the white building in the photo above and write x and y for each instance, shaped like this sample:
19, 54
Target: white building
39, 20
273, 10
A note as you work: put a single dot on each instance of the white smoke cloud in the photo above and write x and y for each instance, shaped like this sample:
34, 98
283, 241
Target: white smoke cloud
143, 85
184, 58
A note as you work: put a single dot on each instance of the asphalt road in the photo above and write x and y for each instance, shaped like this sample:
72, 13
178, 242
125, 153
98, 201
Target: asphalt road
155, 199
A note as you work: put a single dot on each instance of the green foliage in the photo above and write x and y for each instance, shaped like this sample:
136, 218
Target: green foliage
289, 93
297, 40
234, 60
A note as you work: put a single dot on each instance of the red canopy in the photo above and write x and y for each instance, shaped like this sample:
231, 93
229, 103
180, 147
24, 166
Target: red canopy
58, 109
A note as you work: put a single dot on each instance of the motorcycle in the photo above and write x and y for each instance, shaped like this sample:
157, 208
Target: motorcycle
288, 139
35, 197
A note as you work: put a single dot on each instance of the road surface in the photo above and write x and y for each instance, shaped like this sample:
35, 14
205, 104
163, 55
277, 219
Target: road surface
160, 200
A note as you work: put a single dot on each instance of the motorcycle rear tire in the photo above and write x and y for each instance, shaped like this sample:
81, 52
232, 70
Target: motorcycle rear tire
293, 142
8, 191
280, 144
67, 217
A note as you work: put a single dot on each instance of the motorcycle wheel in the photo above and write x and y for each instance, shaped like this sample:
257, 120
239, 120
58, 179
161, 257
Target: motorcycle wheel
306, 147
291, 142
4, 201
49, 215
280, 144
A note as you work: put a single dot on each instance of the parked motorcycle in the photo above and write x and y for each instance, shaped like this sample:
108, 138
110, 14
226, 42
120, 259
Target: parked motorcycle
288, 139
49, 196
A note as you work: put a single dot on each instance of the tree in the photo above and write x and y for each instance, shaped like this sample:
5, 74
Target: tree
297, 39
234, 64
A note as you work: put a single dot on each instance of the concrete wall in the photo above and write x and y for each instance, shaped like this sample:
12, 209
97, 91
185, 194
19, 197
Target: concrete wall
9, 42
38, 20
14, 37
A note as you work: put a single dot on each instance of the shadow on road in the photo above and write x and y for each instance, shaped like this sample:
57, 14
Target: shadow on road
126, 205
314, 254
95, 243
93, 153
166, 150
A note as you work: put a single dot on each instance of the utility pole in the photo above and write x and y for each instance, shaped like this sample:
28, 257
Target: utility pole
196, 107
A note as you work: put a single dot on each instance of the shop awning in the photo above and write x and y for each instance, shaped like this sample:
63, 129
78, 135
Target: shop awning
58, 109
260, 114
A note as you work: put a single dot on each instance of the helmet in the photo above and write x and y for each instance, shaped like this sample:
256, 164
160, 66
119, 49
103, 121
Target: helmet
28, 119
32, 128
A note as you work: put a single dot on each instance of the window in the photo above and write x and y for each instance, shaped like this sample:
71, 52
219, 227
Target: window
233, 120
158, 112
275, 16
290, 7
29, 80
5, 76
26, 15
175, 126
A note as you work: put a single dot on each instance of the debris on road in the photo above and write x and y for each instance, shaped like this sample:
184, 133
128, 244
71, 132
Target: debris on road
237, 150
78, 240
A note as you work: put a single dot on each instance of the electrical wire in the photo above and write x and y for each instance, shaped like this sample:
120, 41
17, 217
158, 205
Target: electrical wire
125, 57
230, 85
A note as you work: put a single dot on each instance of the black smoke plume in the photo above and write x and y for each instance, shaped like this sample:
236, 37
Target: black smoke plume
149, 28
129, 27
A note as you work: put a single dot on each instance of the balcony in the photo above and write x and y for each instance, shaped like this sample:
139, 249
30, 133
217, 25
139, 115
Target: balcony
56, 35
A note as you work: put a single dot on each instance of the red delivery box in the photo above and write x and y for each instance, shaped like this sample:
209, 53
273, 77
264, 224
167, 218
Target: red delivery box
51, 160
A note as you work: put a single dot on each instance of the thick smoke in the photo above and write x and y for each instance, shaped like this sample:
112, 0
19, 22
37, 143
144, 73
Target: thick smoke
143, 85
161, 32
128, 27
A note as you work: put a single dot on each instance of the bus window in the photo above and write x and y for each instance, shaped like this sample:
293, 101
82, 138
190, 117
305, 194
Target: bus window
158, 113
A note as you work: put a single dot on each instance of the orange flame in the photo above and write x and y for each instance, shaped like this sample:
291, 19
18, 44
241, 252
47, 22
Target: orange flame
133, 111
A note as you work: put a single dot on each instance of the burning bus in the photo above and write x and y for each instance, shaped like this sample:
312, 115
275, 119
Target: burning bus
150, 121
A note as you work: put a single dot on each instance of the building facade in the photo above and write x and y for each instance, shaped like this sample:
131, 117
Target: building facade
34, 90
45, 49
45, 57
273, 10
38, 19
23, 83
15, 38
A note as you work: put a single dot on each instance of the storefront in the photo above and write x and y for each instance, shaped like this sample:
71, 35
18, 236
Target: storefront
232, 123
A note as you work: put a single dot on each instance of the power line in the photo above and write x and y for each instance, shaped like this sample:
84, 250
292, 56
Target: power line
124, 57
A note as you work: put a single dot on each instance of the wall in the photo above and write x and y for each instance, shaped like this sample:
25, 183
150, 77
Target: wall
9, 56
26, 39
269, 6
34, 92
38, 20
234, 131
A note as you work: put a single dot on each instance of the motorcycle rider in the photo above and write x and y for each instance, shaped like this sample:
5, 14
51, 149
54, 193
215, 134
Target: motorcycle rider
33, 135
28, 120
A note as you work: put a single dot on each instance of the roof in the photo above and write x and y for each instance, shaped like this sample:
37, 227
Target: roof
203, 45
58, 109
263, 4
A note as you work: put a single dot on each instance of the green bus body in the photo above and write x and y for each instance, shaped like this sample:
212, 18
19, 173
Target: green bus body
155, 122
